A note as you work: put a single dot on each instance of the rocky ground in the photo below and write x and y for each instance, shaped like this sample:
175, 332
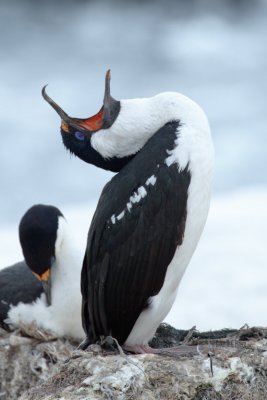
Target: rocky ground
227, 364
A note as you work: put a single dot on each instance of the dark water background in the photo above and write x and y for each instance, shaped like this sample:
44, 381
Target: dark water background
212, 51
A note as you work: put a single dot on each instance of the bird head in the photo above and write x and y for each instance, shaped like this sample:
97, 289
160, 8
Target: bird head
77, 132
38, 231
113, 136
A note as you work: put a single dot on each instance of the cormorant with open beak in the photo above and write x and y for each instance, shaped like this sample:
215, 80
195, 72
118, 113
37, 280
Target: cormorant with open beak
150, 215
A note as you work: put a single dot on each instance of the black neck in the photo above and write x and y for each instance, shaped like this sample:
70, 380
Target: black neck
113, 164
87, 153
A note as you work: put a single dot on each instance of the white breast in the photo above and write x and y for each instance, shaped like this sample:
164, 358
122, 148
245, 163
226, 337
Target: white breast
66, 293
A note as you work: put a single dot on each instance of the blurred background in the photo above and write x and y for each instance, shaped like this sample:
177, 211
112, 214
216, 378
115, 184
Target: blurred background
212, 51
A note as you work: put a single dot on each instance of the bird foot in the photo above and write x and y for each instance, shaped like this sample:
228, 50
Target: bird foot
84, 344
139, 349
179, 351
183, 350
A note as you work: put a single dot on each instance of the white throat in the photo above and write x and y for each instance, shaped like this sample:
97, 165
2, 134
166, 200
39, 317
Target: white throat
65, 293
66, 271
139, 119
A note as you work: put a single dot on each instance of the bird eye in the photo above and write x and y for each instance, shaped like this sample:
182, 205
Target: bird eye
79, 135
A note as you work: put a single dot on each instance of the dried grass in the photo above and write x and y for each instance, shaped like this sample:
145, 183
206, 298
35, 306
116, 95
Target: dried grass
28, 357
43, 367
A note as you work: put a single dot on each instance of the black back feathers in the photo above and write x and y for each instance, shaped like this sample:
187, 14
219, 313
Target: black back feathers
135, 231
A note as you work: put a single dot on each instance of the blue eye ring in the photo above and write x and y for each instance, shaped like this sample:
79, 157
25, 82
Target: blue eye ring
79, 135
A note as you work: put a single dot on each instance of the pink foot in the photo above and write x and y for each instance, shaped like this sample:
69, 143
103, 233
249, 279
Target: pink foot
139, 349
182, 350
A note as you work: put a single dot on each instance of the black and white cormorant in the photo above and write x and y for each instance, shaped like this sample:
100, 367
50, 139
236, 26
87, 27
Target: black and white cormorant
51, 257
150, 215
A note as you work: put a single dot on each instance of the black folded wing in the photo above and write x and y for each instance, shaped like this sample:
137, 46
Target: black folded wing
138, 224
17, 284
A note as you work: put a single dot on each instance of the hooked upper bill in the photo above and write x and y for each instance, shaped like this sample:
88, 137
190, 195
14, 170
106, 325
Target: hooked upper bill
45, 279
102, 120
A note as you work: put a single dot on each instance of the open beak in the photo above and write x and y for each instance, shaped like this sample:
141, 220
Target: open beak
45, 279
102, 119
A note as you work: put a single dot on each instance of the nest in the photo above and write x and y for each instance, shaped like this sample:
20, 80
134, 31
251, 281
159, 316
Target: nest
36, 365
28, 357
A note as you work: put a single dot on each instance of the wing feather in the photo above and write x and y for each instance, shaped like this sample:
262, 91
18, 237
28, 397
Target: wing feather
127, 259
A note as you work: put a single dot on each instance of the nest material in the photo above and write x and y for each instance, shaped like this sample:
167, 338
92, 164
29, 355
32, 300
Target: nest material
28, 357
41, 368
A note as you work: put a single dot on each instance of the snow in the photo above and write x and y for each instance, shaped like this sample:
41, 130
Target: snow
225, 284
